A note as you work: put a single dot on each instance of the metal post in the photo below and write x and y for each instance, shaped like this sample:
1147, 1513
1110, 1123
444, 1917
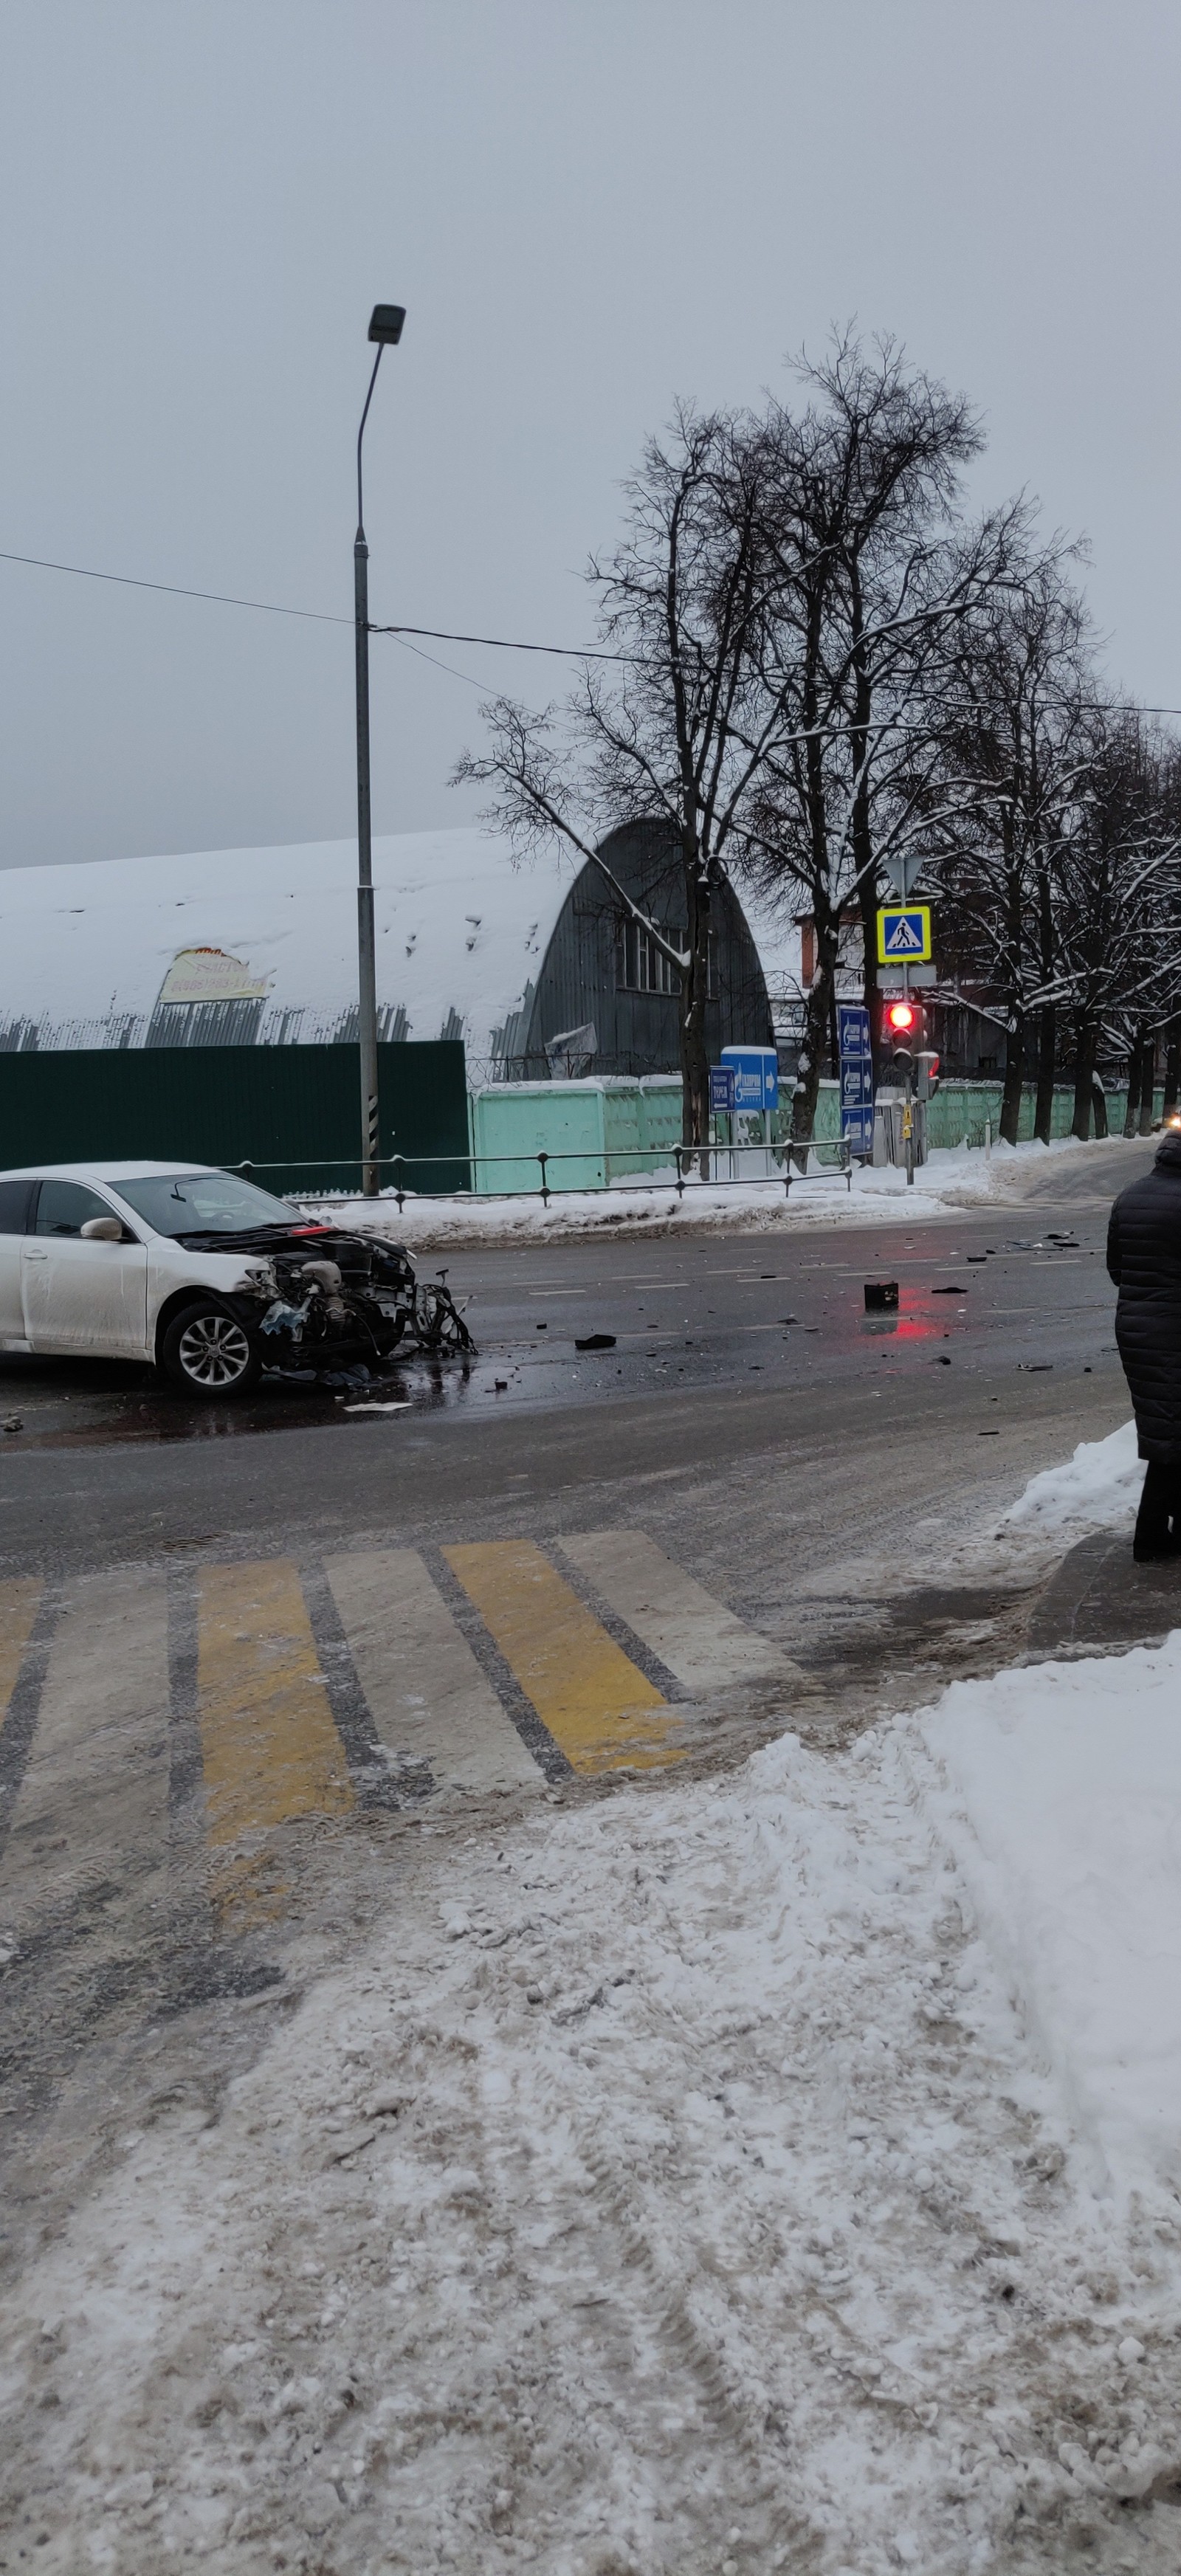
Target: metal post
366, 952
908, 1107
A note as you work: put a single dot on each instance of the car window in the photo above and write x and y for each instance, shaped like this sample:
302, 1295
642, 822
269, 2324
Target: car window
64, 1207
15, 1199
203, 1203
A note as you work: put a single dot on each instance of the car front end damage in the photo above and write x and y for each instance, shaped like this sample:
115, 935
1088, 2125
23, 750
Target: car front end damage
313, 1297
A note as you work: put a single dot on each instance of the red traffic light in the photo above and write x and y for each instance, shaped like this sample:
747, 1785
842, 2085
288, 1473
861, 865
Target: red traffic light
900, 1017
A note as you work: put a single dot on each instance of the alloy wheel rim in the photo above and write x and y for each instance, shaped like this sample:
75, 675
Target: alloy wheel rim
214, 1351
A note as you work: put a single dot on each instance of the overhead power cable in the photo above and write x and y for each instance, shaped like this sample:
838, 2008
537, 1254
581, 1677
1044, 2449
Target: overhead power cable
503, 644
320, 616
224, 599
429, 634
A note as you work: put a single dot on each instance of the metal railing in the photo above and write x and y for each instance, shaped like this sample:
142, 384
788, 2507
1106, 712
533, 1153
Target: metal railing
684, 1157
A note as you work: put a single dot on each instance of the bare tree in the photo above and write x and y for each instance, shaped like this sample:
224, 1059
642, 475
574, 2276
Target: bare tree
874, 571
1119, 910
1015, 743
680, 727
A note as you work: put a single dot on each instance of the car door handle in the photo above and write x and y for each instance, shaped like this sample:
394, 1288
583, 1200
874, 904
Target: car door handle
36, 1256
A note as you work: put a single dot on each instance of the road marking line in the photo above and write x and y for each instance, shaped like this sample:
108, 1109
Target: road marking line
599, 1707
701, 1642
270, 1750
430, 1701
93, 1805
19, 1602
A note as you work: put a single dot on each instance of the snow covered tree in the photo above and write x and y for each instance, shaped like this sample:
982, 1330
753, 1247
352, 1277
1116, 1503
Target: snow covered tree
676, 722
1015, 743
872, 572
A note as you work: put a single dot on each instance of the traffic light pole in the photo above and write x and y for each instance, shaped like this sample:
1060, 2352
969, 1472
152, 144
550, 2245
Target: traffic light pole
908, 1104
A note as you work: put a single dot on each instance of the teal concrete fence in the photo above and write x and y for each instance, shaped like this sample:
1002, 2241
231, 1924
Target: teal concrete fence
959, 1111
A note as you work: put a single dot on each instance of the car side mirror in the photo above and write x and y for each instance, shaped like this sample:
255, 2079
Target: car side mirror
102, 1229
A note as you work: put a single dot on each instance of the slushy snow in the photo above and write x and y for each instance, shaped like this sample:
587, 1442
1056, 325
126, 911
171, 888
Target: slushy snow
769, 2171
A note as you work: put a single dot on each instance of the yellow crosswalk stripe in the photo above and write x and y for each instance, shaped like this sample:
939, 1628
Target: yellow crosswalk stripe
270, 1749
598, 1706
18, 1609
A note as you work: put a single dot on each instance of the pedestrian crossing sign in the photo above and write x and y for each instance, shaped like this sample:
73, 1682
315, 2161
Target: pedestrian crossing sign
904, 934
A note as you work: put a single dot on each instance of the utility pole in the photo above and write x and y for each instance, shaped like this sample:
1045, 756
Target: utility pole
386, 329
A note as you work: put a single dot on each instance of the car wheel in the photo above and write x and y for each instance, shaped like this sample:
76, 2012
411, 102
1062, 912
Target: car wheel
209, 1353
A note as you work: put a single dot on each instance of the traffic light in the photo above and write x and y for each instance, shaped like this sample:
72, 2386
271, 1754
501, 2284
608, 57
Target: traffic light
926, 1081
904, 1031
903, 1024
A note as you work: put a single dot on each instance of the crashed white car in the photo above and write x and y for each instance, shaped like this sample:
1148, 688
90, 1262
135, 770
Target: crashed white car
201, 1273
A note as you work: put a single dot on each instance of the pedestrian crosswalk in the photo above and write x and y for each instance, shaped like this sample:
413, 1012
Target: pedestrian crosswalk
481, 1668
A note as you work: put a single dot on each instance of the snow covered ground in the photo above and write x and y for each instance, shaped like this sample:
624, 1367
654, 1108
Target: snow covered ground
952, 1178
1062, 1804
775, 2171
1099, 1488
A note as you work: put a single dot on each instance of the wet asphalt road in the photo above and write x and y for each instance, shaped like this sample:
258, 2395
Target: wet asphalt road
724, 1349
981, 1299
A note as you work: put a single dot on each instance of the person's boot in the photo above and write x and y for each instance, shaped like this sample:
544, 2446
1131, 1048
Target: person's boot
1156, 1533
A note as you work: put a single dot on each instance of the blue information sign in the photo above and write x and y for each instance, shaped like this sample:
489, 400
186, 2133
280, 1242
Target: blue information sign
856, 1076
721, 1090
756, 1076
853, 1027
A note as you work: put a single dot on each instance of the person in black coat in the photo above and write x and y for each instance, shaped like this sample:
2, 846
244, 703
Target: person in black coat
1144, 1259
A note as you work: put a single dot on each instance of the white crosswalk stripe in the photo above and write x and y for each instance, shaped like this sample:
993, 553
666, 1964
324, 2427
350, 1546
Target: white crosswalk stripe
698, 1640
429, 1700
94, 1796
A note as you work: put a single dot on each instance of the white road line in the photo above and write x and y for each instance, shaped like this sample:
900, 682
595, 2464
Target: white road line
93, 1804
696, 1637
429, 1699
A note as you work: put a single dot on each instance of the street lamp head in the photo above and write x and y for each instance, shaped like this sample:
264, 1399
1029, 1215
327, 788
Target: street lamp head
386, 324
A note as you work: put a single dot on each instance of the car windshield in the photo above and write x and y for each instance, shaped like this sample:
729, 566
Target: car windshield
203, 1203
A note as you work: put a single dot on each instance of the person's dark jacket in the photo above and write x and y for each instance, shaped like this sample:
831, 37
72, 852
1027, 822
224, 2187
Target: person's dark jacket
1144, 1259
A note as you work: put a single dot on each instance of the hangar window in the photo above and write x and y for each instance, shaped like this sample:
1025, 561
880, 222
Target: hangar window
642, 966
644, 969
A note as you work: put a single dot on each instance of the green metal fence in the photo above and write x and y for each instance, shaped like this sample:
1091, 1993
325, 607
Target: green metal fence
295, 1109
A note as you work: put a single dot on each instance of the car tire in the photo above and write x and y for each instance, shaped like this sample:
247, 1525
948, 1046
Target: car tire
209, 1353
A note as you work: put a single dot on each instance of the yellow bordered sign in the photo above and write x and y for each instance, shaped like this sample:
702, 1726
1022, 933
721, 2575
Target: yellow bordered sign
904, 934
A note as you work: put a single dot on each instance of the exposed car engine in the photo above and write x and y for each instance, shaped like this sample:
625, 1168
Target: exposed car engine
315, 1296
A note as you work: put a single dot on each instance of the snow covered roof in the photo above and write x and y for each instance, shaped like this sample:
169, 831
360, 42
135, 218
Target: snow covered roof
90, 954
106, 954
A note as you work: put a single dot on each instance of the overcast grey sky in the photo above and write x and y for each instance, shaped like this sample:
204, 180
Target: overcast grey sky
587, 206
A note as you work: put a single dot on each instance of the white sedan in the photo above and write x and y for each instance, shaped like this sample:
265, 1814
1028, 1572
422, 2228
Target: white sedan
201, 1273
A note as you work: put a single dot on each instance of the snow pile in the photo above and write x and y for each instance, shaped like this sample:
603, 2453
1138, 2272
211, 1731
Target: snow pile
669, 2188
1065, 1813
953, 1177
1099, 1488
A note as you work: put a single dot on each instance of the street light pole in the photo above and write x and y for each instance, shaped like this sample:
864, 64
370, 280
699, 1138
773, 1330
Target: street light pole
386, 329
